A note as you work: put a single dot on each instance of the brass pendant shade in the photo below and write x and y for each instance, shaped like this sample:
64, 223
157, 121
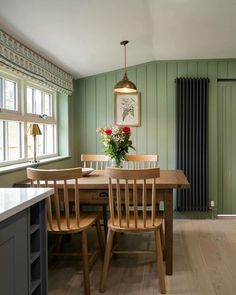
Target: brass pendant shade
125, 85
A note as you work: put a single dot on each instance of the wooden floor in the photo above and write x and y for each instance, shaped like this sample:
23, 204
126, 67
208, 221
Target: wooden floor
204, 264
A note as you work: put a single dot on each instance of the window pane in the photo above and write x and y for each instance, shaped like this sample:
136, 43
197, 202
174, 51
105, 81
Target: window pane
13, 140
38, 101
45, 143
47, 104
1, 102
30, 143
29, 94
1, 140
40, 141
10, 95
49, 139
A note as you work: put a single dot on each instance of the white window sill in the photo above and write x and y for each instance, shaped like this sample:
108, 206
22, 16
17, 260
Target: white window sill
12, 168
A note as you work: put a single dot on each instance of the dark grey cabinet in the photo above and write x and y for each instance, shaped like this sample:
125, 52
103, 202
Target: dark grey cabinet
14, 255
23, 252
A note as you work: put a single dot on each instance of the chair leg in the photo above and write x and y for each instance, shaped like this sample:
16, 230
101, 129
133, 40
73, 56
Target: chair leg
163, 243
159, 257
107, 257
100, 237
85, 263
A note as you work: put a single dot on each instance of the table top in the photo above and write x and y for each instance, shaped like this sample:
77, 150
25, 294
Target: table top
14, 200
168, 179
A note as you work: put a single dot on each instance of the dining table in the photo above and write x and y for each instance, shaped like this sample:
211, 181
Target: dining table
93, 189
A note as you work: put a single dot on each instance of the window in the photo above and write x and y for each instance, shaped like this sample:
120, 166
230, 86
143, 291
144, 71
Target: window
8, 94
23, 103
38, 102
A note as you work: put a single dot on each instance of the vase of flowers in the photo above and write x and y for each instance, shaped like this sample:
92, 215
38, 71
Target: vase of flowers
117, 142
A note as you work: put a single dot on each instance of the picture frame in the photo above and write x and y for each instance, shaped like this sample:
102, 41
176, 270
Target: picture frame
127, 109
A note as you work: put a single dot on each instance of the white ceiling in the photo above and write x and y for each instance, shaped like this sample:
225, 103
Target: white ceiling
83, 36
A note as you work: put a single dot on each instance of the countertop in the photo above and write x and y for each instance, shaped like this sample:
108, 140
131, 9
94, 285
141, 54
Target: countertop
14, 200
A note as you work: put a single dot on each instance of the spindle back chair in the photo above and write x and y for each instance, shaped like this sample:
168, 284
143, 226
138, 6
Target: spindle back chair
64, 216
130, 187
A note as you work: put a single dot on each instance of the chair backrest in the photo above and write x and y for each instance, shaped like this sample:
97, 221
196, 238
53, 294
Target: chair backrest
142, 161
58, 203
130, 188
98, 162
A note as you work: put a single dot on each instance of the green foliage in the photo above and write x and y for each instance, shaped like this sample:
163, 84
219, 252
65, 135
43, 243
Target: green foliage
116, 142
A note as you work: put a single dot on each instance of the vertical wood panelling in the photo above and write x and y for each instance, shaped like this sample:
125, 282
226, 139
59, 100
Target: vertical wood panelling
192, 69
232, 69
212, 134
222, 70
119, 75
182, 69
110, 83
132, 75
171, 111
220, 95
202, 69
151, 115
155, 81
227, 147
142, 130
227, 141
91, 116
100, 108
162, 114
81, 102
233, 155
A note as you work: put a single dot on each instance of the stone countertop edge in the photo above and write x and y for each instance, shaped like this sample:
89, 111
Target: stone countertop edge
15, 200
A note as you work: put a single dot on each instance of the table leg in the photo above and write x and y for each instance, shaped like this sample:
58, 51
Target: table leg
104, 215
168, 199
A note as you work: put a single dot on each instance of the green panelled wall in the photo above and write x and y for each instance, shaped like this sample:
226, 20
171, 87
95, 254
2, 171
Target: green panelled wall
94, 107
227, 147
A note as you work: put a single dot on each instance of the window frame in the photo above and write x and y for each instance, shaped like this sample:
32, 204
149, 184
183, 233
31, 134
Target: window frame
11, 77
20, 115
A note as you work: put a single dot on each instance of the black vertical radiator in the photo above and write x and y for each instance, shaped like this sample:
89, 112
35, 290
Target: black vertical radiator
192, 142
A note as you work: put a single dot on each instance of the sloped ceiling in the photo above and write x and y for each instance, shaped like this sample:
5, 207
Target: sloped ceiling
83, 36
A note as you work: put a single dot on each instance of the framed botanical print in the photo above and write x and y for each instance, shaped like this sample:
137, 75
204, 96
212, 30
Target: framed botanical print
127, 109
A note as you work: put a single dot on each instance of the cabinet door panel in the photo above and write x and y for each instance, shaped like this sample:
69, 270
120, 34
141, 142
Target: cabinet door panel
13, 255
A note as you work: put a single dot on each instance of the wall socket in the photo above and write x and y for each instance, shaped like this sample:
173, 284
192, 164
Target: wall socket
212, 204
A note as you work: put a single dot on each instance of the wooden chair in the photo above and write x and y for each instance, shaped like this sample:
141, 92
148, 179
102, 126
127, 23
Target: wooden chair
127, 185
142, 161
62, 219
98, 162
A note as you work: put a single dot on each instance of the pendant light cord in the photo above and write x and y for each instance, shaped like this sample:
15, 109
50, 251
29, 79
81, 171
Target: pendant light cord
125, 59
124, 43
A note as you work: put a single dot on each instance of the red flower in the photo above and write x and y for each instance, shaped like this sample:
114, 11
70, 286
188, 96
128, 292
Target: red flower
108, 131
126, 129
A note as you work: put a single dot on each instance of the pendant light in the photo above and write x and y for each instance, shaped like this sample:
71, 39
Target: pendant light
125, 85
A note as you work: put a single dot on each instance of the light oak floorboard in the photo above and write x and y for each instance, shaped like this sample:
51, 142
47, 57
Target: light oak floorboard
204, 263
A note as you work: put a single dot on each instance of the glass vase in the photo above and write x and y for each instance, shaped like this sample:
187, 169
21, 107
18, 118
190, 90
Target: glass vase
116, 162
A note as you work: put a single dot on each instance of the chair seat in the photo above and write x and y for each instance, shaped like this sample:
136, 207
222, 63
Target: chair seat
140, 227
86, 220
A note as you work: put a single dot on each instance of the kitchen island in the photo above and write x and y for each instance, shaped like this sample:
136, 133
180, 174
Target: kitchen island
23, 241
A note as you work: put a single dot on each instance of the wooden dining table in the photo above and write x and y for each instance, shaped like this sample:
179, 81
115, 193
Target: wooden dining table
93, 189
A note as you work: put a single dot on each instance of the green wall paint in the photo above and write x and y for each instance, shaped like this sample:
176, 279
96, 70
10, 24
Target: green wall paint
227, 147
94, 107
